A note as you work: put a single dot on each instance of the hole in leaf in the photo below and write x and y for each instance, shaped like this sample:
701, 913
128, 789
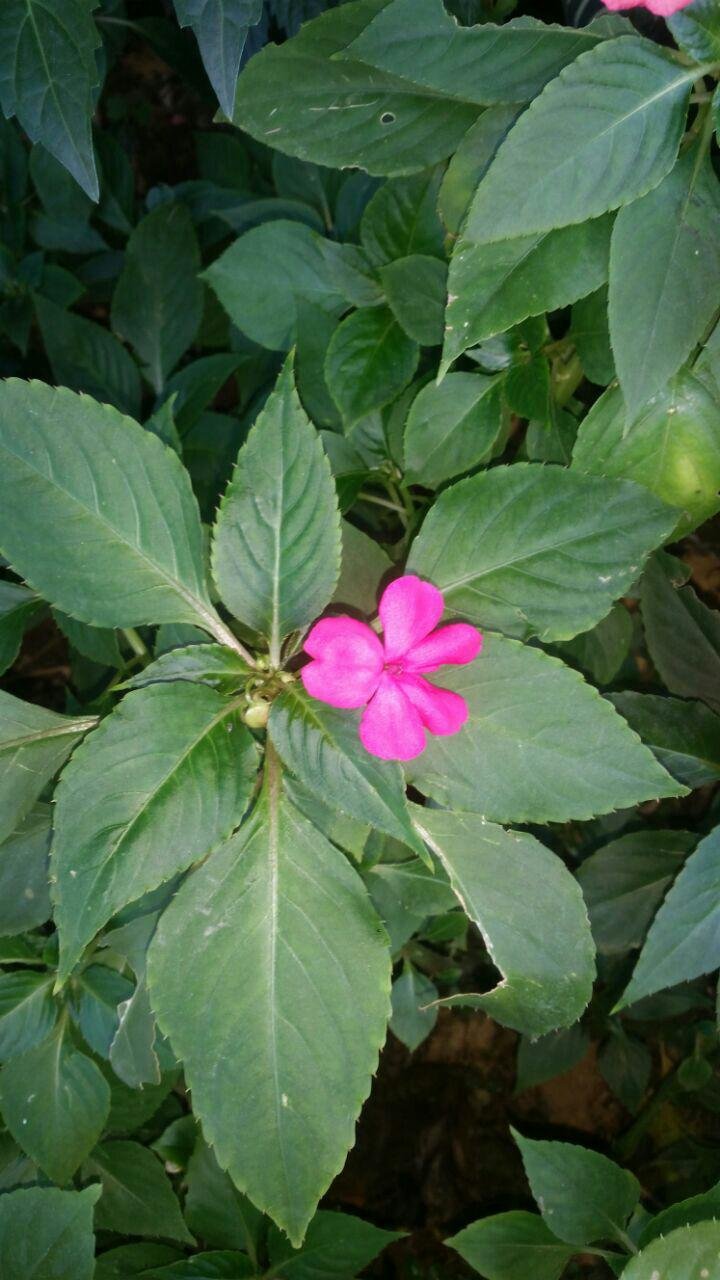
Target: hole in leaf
387, 117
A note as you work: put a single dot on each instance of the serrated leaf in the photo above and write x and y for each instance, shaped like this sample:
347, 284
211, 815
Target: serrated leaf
662, 245
414, 1007
161, 782
684, 938
298, 98
402, 219
624, 883
221, 28
157, 303
276, 545
679, 1254
336, 1245
97, 995
452, 427
99, 644
47, 77
137, 1196
268, 273
55, 1102
93, 477
683, 735
280, 909
683, 637
86, 357
583, 1194
214, 1208
538, 550
507, 882
601, 652
672, 448
320, 745
132, 1052
27, 1011
47, 1234
209, 664
509, 1246
698, 32
214, 1265
492, 287
369, 362
364, 566
589, 330
615, 116
415, 290
18, 607
24, 888
420, 41
34, 743
540, 745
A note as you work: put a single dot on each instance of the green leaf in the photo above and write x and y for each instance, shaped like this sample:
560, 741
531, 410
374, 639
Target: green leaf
18, 607
625, 881
402, 219
132, 1259
364, 565
682, 1253
47, 1234
414, 1007
193, 388
336, 1246
684, 938
100, 644
369, 362
683, 735
299, 98
492, 287
420, 41
584, 1195
672, 448
601, 652
276, 546
221, 30
205, 1266
615, 115
73, 462
209, 664
24, 889
538, 550
543, 1058
161, 782
698, 32
27, 1011
34, 743
664, 245
97, 995
415, 289
282, 915
320, 745
682, 1214
86, 357
137, 1196
452, 427
511, 1246
55, 1102
266, 275
157, 303
683, 637
590, 332
132, 1051
47, 76
507, 882
214, 1208
540, 745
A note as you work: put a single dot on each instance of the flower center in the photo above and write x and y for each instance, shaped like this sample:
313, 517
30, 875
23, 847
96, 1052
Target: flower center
394, 668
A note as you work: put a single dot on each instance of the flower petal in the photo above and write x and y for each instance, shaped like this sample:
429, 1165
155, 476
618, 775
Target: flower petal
391, 727
348, 662
409, 609
441, 711
457, 643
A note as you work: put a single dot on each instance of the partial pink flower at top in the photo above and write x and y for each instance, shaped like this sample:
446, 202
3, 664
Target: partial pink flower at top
663, 8
352, 667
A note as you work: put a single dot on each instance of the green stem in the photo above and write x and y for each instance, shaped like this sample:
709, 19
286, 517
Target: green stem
136, 642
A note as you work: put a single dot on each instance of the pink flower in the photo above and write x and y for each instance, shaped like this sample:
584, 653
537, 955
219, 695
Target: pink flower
663, 8
352, 667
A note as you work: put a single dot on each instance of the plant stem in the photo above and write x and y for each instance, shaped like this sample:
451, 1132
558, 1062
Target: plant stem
136, 642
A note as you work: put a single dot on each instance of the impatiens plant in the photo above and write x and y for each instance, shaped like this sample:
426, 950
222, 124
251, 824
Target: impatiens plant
358, 502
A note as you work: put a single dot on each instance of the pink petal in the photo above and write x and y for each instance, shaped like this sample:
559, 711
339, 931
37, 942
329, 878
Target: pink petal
663, 8
457, 643
441, 711
391, 727
409, 609
349, 661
